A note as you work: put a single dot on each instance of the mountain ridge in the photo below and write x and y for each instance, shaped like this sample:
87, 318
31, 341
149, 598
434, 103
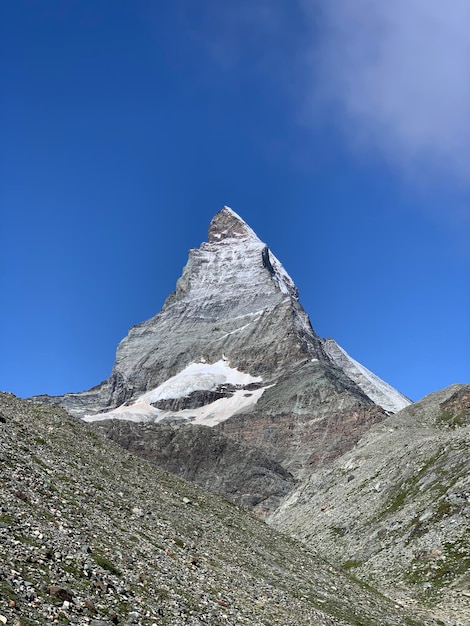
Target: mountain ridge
230, 386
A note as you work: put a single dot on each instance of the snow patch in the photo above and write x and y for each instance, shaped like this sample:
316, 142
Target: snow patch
208, 415
198, 377
195, 377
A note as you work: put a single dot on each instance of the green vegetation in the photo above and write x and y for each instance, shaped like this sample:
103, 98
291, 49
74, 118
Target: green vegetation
351, 564
435, 475
397, 501
94, 437
39, 461
106, 564
438, 572
452, 419
5, 518
6, 591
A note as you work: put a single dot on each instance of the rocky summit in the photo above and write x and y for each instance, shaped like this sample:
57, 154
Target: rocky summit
232, 348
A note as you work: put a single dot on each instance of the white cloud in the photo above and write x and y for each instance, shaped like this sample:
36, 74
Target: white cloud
396, 77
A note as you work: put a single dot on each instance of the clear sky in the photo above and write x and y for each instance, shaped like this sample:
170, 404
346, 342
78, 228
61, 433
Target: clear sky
339, 131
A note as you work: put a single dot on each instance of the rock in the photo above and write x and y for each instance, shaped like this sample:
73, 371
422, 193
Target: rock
137, 511
376, 389
193, 400
407, 522
168, 566
59, 592
89, 604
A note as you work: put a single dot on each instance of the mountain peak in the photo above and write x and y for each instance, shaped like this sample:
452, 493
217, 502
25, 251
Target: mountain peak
233, 340
227, 224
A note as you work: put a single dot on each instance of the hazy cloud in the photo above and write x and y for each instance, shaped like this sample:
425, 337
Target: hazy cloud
392, 75
396, 77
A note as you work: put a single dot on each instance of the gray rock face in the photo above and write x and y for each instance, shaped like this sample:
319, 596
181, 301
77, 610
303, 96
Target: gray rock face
226, 303
376, 389
313, 414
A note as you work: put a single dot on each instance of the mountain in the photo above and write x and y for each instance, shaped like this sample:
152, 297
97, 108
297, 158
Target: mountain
90, 534
395, 509
230, 387
232, 348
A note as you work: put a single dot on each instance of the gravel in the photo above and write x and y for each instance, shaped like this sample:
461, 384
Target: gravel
93, 535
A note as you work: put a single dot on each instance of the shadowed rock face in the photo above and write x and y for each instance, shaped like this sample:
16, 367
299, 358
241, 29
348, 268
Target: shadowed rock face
245, 475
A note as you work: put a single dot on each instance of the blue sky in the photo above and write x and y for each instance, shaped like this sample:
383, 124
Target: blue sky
339, 131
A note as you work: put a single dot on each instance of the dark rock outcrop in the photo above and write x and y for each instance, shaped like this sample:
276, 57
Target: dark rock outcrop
266, 260
193, 400
245, 475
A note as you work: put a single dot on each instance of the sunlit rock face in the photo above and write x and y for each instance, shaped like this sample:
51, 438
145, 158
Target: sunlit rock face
233, 346
226, 305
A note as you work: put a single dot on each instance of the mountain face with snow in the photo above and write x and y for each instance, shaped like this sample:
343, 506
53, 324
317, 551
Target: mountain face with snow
378, 390
232, 348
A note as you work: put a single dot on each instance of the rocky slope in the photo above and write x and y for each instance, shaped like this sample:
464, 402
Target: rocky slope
395, 510
90, 534
233, 345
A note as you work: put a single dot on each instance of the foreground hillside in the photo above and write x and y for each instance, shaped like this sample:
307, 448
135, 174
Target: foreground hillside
395, 510
90, 534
